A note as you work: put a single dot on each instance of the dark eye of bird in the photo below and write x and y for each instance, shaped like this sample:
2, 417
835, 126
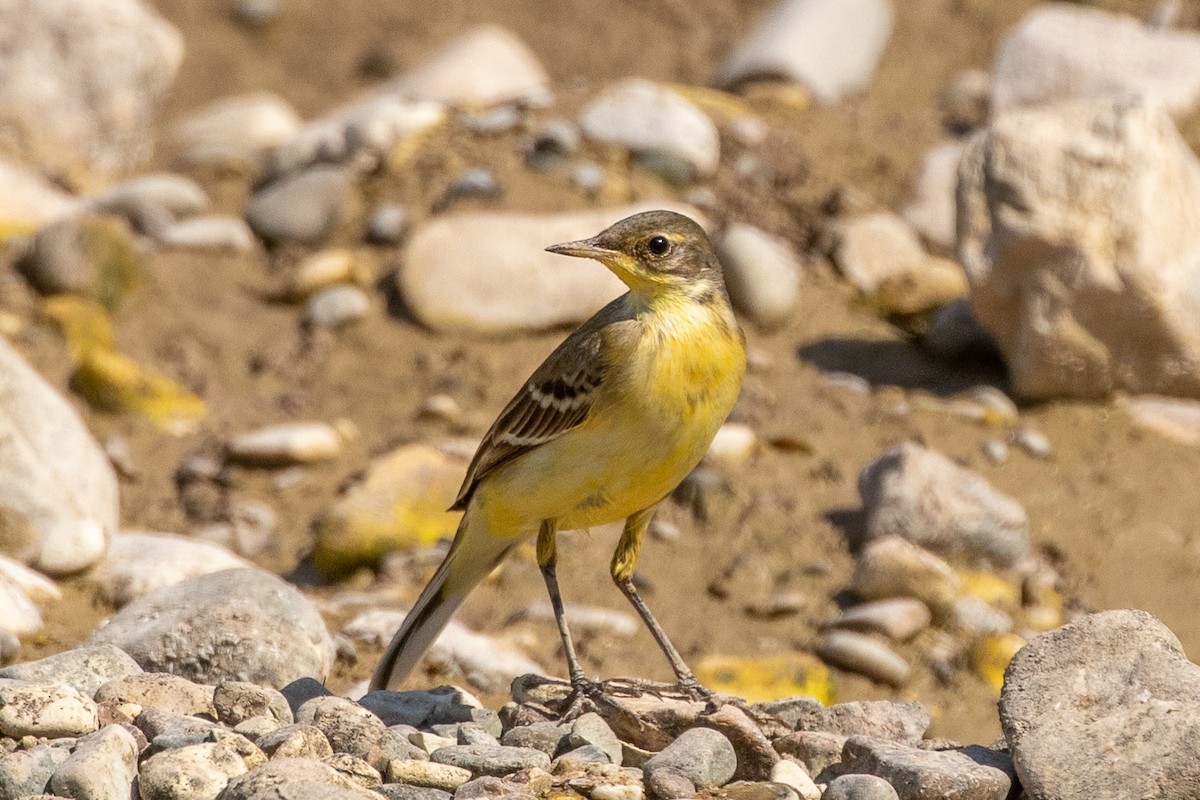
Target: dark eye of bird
658, 245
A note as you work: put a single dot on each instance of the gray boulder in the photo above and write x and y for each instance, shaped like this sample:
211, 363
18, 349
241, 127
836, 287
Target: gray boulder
1105, 707
237, 624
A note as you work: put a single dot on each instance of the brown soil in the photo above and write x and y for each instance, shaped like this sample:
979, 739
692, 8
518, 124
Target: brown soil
1112, 507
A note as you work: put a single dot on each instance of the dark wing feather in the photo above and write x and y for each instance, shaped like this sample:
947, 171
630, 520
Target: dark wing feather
555, 399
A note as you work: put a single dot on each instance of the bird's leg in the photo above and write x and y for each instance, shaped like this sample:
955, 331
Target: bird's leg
547, 556
623, 563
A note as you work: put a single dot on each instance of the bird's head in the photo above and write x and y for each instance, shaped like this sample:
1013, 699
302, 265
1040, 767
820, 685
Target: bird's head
655, 253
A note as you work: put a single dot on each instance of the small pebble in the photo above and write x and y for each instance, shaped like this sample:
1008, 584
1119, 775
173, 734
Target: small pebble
473, 183
285, 444
388, 224
789, 773
256, 13
336, 307
588, 177
859, 787
553, 145
862, 654
493, 121
995, 451
899, 618
1033, 442
428, 774
491, 760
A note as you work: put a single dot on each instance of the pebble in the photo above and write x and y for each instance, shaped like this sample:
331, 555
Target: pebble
161, 691
864, 655
501, 119
428, 774
832, 47
762, 274
295, 778
579, 759
19, 615
422, 708
496, 760
295, 741
362, 136
101, 767
701, 756
954, 333
817, 750
898, 618
26, 772
388, 224
303, 207
473, 183
285, 444
588, 178
553, 145
873, 248
45, 709
175, 195
234, 131
324, 269
966, 102
403, 791
445, 286
85, 668
894, 567
591, 729
995, 451
92, 255
789, 773
733, 445
356, 769
336, 307
214, 232
195, 772
485, 66
972, 772
349, 727
979, 618
900, 721
859, 787
544, 736
28, 201
237, 701
138, 563
647, 118
932, 211
1033, 442
237, 624
256, 13
921, 495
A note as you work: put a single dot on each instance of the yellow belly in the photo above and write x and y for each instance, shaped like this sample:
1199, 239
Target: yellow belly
650, 426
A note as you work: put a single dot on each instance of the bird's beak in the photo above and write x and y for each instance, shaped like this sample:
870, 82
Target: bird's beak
584, 248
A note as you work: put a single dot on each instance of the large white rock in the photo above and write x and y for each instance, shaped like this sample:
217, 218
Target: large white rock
58, 492
81, 82
489, 272
1079, 228
830, 46
1064, 51
644, 117
485, 66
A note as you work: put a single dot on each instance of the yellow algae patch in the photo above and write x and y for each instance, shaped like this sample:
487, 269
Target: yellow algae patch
113, 382
768, 677
990, 655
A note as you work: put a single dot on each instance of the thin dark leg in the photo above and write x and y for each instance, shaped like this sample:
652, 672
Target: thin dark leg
547, 556
623, 563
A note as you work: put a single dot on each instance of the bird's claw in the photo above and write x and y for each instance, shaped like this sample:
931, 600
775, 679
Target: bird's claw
584, 694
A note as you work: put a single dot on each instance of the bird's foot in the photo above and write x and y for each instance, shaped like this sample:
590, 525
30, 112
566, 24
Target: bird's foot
692, 689
584, 694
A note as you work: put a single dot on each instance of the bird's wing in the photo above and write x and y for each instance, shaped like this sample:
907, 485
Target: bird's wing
555, 399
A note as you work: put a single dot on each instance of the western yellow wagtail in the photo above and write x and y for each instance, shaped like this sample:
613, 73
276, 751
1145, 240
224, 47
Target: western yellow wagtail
605, 428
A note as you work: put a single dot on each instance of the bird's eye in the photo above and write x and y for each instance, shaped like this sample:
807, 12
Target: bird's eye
658, 246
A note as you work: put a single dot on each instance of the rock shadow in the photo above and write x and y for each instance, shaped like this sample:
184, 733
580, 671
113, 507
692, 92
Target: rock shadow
903, 364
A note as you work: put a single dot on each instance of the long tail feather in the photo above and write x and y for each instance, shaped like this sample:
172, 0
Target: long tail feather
472, 556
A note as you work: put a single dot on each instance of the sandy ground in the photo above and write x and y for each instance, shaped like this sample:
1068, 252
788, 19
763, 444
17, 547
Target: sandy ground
1112, 508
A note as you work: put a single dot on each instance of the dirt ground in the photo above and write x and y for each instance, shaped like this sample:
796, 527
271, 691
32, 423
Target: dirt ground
1112, 508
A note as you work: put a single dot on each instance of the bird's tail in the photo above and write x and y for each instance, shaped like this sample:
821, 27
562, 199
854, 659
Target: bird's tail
474, 554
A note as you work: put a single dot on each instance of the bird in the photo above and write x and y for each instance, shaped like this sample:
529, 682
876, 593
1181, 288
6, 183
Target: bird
604, 430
